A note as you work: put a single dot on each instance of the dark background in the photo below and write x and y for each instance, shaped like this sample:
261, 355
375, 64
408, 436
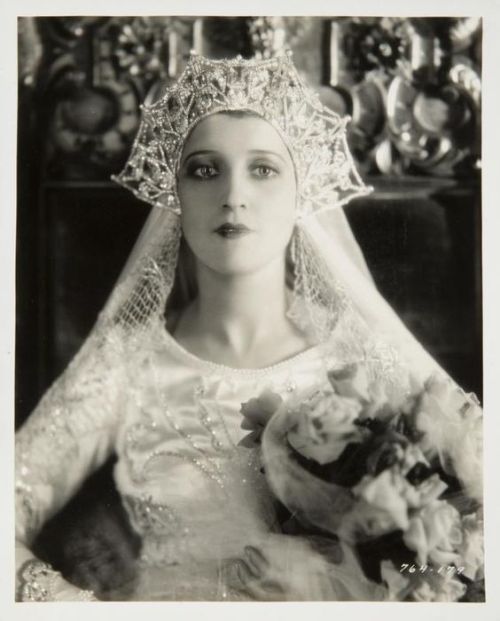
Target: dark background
412, 87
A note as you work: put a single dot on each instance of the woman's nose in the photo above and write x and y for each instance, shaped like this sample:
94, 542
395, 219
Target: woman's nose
235, 192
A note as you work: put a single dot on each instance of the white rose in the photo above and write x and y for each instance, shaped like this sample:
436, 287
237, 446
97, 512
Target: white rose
451, 590
388, 496
471, 552
445, 390
428, 491
451, 422
444, 588
434, 533
324, 425
466, 451
383, 503
351, 381
423, 592
437, 412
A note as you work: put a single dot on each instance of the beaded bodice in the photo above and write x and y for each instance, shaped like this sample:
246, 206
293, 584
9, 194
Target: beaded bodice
191, 489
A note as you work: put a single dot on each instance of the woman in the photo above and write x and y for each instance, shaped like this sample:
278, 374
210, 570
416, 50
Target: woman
241, 163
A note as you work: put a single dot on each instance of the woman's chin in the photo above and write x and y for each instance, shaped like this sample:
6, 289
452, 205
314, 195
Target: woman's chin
236, 268
236, 263
235, 258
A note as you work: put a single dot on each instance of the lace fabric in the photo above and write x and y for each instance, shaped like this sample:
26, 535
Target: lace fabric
73, 425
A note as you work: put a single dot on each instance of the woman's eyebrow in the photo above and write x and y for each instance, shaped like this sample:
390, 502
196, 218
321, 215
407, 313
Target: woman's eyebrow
267, 152
200, 152
251, 151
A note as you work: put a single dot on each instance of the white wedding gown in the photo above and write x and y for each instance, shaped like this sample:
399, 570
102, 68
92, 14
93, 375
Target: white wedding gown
193, 494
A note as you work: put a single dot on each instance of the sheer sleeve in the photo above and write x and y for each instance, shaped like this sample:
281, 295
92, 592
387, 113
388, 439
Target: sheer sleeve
70, 434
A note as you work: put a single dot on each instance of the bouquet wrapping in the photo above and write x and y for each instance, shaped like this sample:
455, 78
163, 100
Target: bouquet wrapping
396, 479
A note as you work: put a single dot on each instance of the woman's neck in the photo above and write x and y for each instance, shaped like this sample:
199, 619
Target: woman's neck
240, 320
239, 310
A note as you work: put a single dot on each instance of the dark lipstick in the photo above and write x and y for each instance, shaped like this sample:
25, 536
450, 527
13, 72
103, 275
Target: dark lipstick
230, 231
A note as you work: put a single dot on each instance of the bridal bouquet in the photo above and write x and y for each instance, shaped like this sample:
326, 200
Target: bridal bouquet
398, 480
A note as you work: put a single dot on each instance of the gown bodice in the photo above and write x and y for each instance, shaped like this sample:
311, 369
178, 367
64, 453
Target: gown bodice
194, 493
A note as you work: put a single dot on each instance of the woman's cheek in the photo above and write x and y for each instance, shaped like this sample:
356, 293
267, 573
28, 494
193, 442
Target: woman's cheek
280, 208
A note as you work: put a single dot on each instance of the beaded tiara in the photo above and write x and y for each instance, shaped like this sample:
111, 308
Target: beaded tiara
272, 89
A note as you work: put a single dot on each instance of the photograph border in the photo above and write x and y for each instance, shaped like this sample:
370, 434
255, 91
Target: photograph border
490, 12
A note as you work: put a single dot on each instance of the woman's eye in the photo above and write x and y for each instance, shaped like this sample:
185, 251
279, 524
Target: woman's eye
265, 171
204, 172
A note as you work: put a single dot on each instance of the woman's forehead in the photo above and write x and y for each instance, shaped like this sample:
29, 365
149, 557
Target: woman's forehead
226, 132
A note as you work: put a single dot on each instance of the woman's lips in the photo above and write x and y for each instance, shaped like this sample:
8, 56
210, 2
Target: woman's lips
230, 231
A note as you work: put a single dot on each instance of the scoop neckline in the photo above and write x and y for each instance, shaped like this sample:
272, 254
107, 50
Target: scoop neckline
174, 345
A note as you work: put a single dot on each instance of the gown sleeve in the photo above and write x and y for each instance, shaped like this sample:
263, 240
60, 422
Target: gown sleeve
68, 436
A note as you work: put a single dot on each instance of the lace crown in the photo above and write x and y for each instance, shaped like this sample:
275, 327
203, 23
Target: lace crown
271, 88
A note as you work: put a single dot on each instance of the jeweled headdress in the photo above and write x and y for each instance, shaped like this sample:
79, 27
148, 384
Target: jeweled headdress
272, 89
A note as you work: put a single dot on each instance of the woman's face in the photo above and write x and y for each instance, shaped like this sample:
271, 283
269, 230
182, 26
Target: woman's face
237, 192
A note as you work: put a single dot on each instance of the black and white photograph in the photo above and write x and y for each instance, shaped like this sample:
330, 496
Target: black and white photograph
248, 309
